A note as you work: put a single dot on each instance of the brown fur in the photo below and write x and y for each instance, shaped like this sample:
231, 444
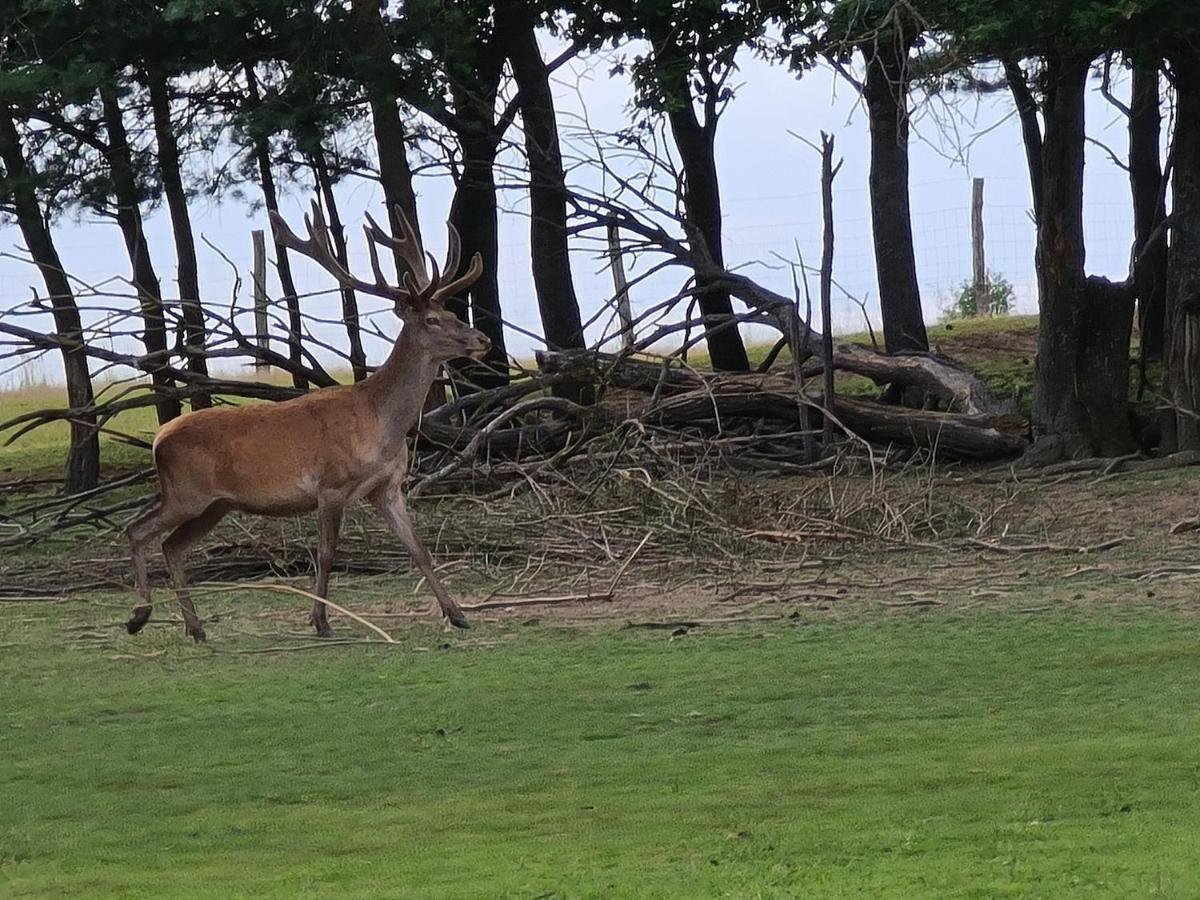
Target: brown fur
319, 452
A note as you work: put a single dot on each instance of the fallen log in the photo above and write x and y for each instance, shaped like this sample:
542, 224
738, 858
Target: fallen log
958, 388
952, 434
680, 397
595, 367
955, 434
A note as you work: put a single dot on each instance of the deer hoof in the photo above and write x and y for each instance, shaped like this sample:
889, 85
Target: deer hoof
196, 634
457, 619
324, 631
141, 615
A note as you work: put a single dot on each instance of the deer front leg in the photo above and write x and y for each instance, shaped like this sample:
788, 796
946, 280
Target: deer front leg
389, 500
329, 522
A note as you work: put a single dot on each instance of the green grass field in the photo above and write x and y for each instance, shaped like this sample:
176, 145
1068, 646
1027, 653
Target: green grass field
996, 755
905, 717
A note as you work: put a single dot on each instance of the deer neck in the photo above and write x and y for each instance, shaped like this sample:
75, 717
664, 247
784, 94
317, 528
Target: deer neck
400, 385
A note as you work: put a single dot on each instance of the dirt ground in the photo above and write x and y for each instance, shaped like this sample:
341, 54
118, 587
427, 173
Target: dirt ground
965, 541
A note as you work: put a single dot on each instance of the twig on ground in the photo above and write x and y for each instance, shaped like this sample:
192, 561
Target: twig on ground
289, 589
696, 623
1043, 548
315, 645
504, 603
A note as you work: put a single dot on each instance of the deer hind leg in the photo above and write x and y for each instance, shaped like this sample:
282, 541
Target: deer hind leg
390, 503
175, 549
329, 522
142, 531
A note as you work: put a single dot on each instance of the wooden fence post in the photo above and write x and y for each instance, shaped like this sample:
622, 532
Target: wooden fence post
979, 276
620, 285
259, 277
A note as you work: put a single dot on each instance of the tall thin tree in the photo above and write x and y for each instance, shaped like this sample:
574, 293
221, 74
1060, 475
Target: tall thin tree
17, 188
551, 258
126, 200
885, 90
188, 272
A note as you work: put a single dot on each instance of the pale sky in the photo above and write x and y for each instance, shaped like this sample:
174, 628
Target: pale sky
770, 187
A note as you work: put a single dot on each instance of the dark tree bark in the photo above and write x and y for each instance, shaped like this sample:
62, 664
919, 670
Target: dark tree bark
475, 66
283, 266
83, 458
696, 143
181, 227
395, 174
473, 214
374, 66
129, 220
337, 233
885, 91
1031, 129
551, 260
1149, 207
473, 211
1082, 372
1182, 388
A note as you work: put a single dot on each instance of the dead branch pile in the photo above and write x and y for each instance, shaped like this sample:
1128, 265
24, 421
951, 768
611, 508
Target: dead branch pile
752, 422
579, 411
565, 531
755, 421
647, 413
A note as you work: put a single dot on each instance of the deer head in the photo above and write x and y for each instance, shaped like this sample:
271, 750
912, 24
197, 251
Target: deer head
419, 300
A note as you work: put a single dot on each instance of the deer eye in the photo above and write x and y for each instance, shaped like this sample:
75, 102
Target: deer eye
433, 321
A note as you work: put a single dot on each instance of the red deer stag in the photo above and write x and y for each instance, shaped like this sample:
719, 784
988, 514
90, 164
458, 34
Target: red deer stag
322, 451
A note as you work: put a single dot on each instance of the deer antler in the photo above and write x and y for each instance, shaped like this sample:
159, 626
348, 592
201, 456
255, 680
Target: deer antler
408, 248
420, 285
468, 278
319, 248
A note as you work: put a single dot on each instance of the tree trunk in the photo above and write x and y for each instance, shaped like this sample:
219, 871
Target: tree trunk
473, 214
1149, 207
1182, 388
1082, 372
83, 458
396, 178
395, 174
358, 358
181, 227
376, 72
552, 281
885, 92
1031, 130
702, 203
129, 220
283, 266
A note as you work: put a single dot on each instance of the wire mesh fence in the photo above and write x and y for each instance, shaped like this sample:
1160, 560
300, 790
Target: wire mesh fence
762, 234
